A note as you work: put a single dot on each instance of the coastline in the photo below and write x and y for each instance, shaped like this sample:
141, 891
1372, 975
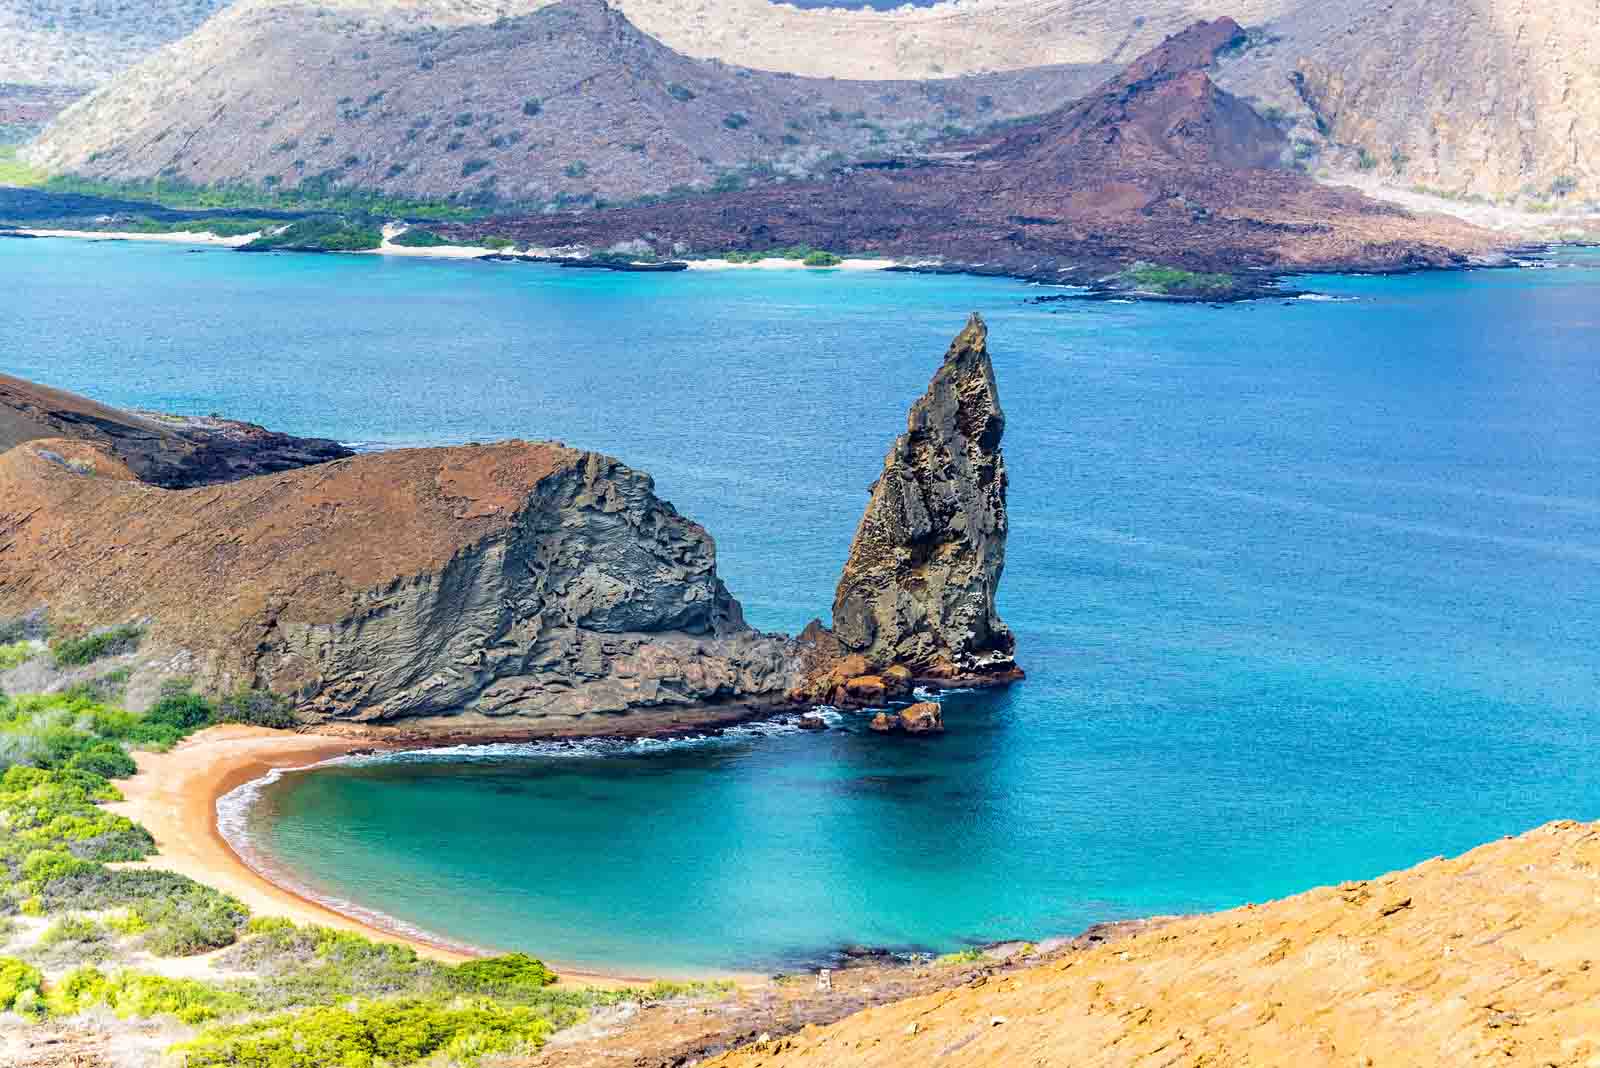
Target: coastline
174, 796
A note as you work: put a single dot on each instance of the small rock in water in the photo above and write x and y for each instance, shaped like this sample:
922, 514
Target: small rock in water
924, 717
883, 723
813, 721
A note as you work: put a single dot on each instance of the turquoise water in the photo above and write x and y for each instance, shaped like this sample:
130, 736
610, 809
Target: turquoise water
1306, 591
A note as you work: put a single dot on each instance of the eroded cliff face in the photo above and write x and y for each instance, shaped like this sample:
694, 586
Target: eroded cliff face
513, 580
917, 596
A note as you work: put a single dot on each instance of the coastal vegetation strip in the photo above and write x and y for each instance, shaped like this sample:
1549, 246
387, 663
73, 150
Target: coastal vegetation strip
286, 995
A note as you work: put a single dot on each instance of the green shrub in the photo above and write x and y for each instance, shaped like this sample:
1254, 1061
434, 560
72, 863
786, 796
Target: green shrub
1152, 278
415, 238
182, 711
137, 994
735, 121
681, 93
963, 956
822, 259
319, 235
106, 759
15, 655
532, 106
77, 652
371, 1033
501, 976
259, 708
497, 243
21, 987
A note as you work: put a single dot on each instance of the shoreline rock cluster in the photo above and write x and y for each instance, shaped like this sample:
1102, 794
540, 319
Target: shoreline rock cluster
514, 586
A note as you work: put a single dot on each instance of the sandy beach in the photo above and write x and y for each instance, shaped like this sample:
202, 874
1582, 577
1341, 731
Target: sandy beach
174, 796
182, 237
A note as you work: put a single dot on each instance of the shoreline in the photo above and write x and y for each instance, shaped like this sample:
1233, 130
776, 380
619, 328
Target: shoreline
174, 796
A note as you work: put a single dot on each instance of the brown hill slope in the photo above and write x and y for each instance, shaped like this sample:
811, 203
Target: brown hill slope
1478, 960
513, 579
571, 101
1154, 165
162, 450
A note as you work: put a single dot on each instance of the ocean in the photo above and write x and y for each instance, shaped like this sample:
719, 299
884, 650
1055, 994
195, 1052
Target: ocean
1306, 590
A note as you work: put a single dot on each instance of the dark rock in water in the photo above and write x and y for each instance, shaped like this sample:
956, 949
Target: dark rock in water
813, 721
924, 717
883, 723
175, 452
917, 596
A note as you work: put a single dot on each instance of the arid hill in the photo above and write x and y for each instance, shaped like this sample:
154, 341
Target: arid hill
1491, 98
569, 102
1158, 164
162, 450
1484, 959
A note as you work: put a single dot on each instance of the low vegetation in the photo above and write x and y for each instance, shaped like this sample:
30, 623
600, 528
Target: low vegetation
297, 997
112, 641
416, 238
805, 254
1175, 281
312, 196
15, 172
319, 235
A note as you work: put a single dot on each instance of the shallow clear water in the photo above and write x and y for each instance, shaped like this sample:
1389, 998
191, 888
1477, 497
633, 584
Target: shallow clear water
1306, 591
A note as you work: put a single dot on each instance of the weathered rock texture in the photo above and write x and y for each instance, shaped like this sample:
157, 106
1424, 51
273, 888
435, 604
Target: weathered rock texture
919, 587
1484, 959
163, 450
524, 580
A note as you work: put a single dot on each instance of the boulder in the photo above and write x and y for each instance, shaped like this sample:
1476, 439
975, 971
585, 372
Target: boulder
899, 680
813, 721
866, 689
883, 723
925, 717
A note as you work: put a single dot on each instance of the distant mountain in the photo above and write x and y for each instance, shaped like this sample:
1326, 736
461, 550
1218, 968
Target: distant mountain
1494, 99
569, 102
1158, 165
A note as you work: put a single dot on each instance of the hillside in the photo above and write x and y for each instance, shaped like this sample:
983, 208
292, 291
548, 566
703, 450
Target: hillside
81, 43
1481, 959
1157, 165
572, 102
1493, 99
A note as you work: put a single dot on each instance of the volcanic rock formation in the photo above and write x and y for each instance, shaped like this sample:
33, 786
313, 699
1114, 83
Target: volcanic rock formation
507, 580
163, 450
917, 596
483, 588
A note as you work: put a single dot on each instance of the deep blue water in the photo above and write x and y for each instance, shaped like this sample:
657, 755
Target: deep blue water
1306, 591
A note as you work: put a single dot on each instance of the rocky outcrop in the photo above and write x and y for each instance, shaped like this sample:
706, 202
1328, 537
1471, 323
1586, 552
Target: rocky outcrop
918, 591
491, 585
916, 600
170, 451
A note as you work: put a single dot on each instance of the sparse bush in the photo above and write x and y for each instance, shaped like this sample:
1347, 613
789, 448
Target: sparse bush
681, 93
516, 973
473, 166
735, 121
260, 708
113, 641
15, 655
576, 169
412, 238
532, 106
21, 987
1365, 160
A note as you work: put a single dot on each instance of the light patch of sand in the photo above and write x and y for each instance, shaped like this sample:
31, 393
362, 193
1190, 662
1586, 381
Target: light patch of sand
776, 263
182, 237
1568, 223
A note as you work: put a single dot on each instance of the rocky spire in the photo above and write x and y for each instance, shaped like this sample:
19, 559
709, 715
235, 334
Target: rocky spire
919, 588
